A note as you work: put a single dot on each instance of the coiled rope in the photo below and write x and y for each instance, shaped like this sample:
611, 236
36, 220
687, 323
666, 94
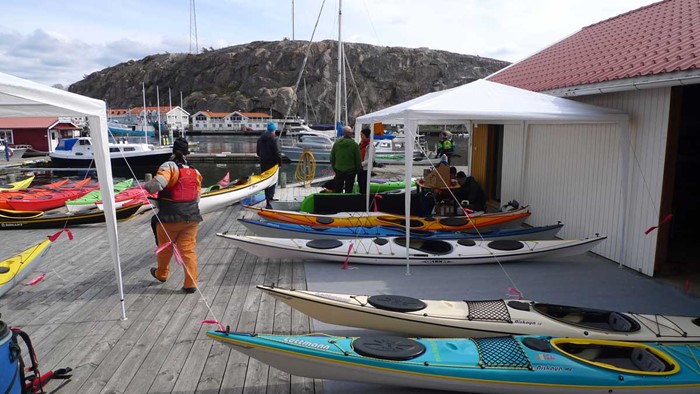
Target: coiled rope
306, 167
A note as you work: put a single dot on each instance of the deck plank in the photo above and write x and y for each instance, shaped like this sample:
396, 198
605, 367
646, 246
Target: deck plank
74, 314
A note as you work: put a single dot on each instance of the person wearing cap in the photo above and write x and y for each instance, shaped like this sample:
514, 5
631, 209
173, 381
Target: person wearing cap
268, 150
178, 186
445, 146
366, 153
345, 161
469, 194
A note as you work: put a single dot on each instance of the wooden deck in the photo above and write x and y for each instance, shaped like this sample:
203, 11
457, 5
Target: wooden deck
74, 315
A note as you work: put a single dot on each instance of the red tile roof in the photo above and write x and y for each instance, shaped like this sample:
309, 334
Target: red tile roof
27, 123
660, 38
255, 114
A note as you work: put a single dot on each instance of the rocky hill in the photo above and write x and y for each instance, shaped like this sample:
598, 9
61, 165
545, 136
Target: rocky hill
260, 76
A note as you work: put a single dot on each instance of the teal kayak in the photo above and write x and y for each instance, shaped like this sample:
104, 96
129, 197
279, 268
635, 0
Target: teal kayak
509, 364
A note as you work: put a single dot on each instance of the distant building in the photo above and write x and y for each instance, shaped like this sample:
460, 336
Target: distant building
177, 119
598, 178
41, 133
249, 121
211, 121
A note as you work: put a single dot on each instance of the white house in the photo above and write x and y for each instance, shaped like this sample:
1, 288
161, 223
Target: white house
599, 178
211, 121
177, 119
249, 121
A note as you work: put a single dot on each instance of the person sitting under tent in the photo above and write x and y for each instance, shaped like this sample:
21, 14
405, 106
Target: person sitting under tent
470, 194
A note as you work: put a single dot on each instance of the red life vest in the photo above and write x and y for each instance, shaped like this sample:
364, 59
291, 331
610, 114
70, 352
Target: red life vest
185, 189
363, 149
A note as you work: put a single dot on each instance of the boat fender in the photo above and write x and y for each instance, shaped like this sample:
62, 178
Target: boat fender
506, 244
537, 344
466, 242
396, 303
388, 347
380, 241
324, 243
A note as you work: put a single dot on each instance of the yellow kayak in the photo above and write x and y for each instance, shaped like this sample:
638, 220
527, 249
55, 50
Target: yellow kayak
457, 223
16, 268
19, 185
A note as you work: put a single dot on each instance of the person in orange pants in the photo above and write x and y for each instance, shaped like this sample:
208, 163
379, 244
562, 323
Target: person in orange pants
178, 186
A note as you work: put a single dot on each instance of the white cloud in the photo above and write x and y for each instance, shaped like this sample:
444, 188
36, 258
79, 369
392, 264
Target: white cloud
60, 42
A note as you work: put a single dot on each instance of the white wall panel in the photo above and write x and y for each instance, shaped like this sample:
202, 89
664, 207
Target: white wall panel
575, 173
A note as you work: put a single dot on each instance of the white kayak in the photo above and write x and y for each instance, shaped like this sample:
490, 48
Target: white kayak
392, 250
485, 318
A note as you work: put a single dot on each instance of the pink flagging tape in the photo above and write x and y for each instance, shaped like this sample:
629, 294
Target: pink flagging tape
162, 247
665, 220
225, 180
374, 201
36, 280
55, 236
513, 292
212, 321
347, 258
178, 256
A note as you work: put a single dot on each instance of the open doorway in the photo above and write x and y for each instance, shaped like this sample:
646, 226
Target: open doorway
487, 160
678, 247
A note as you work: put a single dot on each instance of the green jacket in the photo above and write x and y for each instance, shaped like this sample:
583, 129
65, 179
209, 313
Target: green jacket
345, 155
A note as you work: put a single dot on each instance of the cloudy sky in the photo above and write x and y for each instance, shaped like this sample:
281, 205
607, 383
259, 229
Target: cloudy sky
60, 42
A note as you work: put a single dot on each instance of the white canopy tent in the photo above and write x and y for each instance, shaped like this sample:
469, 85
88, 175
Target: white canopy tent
23, 98
484, 101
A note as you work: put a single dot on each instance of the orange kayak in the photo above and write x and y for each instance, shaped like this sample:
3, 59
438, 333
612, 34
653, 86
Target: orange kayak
456, 223
50, 198
48, 188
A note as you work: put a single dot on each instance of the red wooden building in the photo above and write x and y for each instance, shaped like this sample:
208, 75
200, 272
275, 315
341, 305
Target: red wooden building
41, 133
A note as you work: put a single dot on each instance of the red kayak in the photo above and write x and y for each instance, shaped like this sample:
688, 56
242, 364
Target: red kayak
38, 190
51, 200
130, 196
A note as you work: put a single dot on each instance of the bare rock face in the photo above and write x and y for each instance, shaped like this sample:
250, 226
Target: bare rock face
261, 77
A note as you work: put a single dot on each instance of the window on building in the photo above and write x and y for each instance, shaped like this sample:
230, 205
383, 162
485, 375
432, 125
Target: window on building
7, 136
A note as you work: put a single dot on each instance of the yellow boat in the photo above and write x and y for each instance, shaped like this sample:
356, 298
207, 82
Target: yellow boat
17, 267
19, 185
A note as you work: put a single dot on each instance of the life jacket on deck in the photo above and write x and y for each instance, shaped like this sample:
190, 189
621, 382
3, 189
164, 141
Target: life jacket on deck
185, 189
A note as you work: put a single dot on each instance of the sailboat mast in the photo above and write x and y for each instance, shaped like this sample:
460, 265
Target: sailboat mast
160, 136
145, 126
340, 67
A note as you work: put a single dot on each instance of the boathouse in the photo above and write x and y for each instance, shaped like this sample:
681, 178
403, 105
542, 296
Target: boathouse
645, 64
41, 133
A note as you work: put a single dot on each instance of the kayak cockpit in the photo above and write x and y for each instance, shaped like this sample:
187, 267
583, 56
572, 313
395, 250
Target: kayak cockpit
591, 318
627, 357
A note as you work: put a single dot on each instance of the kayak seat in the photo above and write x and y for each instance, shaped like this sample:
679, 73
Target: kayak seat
619, 323
324, 243
396, 303
388, 347
645, 361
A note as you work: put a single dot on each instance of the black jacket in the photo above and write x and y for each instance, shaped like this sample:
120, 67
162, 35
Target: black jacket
268, 150
472, 191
